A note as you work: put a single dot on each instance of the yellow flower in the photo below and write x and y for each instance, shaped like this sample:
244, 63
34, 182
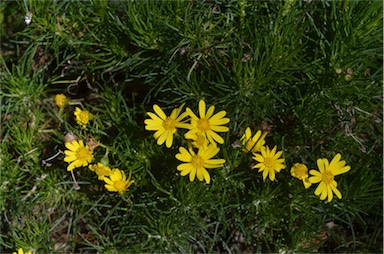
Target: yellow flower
199, 140
100, 170
325, 176
197, 164
300, 171
118, 181
254, 143
61, 100
165, 126
269, 162
208, 124
82, 116
78, 155
21, 251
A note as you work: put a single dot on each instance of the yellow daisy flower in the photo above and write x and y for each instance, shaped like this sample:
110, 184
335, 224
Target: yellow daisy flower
101, 170
78, 155
300, 171
325, 176
269, 162
118, 181
254, 143
208, 124
82, 116
199, 140
21, 251
61, 100
165, 126
197, 164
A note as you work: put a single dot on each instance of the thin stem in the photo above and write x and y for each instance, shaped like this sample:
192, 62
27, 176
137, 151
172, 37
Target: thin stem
76, 186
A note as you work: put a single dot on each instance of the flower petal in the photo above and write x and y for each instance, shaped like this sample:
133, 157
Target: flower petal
202, 107
306, 183
155, 119
218, 118
206, 175
335, 160
199, 174
110, 188
192, 174
272, 175
159, 112
162, 138
213, 135
71, 166
258, 157
339, 171
184, 155
185, 167
336, 191
72, 146
219, 128
210, 112
169, 139
319, 189
215, 161
320, 165
265, 174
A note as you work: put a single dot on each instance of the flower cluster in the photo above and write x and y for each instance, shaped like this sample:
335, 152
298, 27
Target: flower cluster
81, 154
325, 176
269, 162
115, 179
82, 116
202, 133
203, 138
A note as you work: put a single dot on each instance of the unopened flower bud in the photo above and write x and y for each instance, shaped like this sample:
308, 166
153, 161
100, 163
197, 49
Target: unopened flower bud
105, 160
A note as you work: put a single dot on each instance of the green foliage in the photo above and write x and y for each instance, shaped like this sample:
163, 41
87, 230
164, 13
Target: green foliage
309, 72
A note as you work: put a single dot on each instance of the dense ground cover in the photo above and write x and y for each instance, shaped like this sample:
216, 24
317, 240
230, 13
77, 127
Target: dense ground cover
307, 72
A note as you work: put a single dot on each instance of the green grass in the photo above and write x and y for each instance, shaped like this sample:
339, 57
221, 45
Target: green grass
269, 64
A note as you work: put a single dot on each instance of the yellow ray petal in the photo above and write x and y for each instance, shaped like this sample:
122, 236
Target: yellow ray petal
159, 112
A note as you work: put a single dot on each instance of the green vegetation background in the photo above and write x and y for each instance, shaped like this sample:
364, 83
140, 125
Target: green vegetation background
269, 64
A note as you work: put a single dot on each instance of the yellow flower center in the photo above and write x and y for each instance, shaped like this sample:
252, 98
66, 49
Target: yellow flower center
169, 124
103, 171
301, 171
268, 162
120, 185
82, 153
203, 125
83, 116
200, 139
327, 177
197, 161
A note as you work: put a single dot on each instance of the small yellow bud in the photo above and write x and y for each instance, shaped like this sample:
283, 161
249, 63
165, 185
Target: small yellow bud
61, 100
